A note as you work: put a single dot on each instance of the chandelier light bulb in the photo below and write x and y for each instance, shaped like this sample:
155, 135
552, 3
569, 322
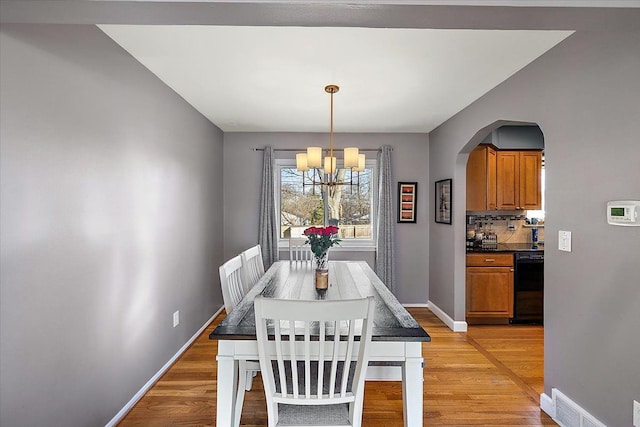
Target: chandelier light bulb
361, 163
301, 162
314, 157
351, 157
330, 165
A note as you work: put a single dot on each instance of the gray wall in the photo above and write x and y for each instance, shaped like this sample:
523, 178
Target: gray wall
243, 173
110, 221
584, 96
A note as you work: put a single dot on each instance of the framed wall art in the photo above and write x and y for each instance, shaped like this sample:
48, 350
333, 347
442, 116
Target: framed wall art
444, 189
407, 193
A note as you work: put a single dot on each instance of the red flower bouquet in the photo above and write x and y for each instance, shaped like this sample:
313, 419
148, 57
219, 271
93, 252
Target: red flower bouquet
321, 239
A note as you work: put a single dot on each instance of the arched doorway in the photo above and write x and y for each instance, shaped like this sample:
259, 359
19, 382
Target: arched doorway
513, 229
503, 135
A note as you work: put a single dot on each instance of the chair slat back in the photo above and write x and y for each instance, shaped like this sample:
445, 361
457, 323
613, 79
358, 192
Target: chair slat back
325, 370
231, 280
299, 252
252, 265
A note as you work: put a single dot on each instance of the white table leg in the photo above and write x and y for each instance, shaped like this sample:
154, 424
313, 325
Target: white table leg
227, 385
412, 387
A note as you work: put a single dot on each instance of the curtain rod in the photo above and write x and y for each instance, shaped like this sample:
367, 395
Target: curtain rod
303, 149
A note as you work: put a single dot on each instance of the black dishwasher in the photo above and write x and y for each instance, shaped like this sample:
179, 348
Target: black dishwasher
528, 287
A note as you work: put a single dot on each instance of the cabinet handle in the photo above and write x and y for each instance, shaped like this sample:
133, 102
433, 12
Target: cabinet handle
512, 269
489, 260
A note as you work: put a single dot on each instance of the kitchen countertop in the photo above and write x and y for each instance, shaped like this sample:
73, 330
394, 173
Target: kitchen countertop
507, 247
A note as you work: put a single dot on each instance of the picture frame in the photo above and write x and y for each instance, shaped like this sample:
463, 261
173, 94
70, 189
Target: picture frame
407, 195
443, 203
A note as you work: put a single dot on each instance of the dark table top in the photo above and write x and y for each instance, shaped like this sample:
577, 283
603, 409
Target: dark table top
507, 247
347, 280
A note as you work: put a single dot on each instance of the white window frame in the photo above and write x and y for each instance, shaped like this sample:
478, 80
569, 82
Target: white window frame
345, 244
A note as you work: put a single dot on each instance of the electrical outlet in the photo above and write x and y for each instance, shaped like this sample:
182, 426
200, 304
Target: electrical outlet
511, 226
176, 318
564, 241
636, 413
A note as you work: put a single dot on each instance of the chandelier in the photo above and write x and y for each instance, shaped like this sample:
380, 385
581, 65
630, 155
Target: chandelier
328, 175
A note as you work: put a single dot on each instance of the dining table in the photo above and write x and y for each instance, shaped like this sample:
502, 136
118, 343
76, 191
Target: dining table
395, 352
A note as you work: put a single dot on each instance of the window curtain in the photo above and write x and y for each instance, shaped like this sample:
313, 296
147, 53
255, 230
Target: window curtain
385, 252
268, 231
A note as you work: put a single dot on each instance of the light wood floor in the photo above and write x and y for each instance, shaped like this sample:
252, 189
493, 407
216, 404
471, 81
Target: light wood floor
489, 376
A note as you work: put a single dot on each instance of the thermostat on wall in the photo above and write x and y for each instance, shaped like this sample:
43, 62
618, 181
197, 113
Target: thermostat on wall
623, 212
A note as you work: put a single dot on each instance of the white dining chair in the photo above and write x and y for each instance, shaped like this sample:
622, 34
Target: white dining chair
319, 381
233, 290
232, 282
299, 252
252, 266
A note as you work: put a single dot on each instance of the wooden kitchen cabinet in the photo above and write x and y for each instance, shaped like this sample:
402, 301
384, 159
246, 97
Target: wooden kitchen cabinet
531, 180
518, 180
481, 179
489, 282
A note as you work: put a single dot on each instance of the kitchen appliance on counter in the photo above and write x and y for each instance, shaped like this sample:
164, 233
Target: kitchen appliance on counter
528, 287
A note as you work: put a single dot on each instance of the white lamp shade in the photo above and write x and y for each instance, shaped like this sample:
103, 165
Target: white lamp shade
301, 162
314, 157
330, 164
351, 157
361, 163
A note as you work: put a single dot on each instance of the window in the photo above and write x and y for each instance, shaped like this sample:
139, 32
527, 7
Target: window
348, 207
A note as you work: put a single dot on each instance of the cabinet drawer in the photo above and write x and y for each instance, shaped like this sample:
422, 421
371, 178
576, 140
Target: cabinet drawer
490, 260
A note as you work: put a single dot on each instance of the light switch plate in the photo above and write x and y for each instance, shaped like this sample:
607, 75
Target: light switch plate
176, 318
636, 413
564, 241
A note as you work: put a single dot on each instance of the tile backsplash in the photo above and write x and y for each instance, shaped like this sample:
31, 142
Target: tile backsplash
499, 223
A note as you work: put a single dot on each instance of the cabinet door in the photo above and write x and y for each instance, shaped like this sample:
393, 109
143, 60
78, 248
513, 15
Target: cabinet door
530, 180
508, 180
481, 179
476, 172
489, 292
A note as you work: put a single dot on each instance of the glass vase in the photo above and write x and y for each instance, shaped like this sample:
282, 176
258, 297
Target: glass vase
322, 272
322, 278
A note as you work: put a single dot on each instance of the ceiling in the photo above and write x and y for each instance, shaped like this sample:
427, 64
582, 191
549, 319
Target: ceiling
402, 65
273, 78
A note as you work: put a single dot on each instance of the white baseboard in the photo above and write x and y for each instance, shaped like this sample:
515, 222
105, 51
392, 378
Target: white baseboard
546, 404
416, 305
136, 397
568, 413
454, 325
